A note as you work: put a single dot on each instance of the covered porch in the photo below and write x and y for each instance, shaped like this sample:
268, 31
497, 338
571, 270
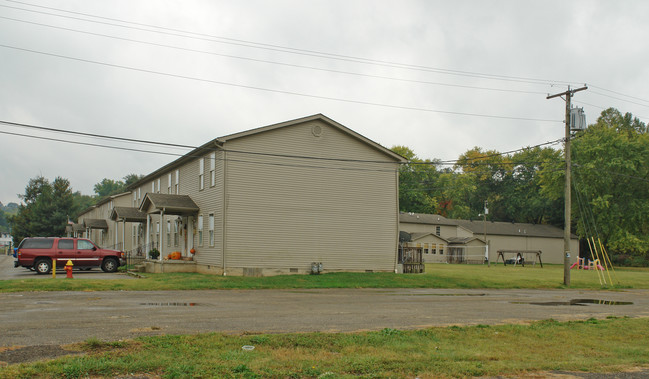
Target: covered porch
169, 224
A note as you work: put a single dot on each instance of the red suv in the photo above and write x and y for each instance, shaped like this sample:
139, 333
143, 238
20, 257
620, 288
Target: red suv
37, 253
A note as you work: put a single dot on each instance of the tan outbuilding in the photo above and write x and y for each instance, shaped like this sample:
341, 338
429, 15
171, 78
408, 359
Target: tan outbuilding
468, 239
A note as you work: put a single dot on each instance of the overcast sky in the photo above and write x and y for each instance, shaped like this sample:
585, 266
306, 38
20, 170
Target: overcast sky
438, 76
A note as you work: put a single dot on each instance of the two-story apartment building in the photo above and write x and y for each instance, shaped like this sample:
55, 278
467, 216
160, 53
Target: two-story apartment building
269, 200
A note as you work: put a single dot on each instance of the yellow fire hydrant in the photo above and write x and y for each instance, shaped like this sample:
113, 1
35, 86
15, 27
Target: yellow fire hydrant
68, 269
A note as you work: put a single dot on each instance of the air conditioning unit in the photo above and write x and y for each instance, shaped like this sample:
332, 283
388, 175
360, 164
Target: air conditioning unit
577, 119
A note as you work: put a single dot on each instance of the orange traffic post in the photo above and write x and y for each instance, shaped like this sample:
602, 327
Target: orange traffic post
68, 270
53, 268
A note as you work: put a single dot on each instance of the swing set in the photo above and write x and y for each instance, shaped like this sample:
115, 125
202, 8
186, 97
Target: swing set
599, 261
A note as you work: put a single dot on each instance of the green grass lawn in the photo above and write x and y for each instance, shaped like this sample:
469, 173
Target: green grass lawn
611, 345
436, 276
593, 345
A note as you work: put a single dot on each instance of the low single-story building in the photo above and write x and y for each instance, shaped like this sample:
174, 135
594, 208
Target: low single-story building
467, 238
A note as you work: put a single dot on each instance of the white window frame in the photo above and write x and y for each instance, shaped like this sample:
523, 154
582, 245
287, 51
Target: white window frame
176, 188
212, 169
153, 186
176, 239
200, 230
211, 229
157, 233
169, 186
158, 185
201, 174
168, 232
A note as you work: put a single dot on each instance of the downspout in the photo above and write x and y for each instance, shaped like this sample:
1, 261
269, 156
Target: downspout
225, 209
396, 250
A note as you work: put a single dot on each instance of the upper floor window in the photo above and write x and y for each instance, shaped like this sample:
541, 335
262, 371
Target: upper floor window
212, 169
176, 185
438, 230
201, 173
158, 186
169, 186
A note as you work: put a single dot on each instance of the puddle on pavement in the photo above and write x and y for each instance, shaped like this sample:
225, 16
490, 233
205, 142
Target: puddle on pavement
170, 304
578, 302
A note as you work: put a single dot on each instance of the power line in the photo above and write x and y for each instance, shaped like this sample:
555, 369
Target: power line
319, 54
621, 94
276, 62
617, 98
283, 49
165, 144
277, 91
202, 156
95, 135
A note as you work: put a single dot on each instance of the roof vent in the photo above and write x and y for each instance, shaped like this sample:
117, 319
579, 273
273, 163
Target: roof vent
316, 130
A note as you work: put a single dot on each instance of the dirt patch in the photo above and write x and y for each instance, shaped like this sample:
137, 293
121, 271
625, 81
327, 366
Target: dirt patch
13, 355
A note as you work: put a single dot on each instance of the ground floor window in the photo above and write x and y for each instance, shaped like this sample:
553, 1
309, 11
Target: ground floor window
211, 229
200, 230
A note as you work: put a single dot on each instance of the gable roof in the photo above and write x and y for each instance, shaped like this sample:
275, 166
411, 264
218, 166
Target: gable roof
416, 236
169, 204
422, 218
493, 227
95, 223
319, 117
218, 144
513, 229
128, 214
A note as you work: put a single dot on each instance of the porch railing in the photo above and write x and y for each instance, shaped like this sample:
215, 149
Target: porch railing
138, 254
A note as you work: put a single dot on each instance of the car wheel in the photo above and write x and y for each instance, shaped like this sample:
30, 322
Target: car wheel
43, 266
109, 265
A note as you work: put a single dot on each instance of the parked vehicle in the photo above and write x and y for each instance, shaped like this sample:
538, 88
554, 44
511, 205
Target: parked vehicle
37, 253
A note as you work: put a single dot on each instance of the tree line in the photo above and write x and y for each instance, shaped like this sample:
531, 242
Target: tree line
610, 184
46, 207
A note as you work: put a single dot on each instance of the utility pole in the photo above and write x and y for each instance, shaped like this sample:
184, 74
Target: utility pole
567, 203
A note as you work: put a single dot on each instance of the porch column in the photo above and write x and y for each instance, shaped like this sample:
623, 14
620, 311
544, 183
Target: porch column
123, 235
146, 238
162, 232
190, 235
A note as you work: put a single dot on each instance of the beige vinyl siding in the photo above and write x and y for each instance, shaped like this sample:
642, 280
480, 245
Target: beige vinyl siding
209, 200
286, 213
552, 248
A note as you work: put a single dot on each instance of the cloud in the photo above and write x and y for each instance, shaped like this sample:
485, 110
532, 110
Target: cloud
580, 41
